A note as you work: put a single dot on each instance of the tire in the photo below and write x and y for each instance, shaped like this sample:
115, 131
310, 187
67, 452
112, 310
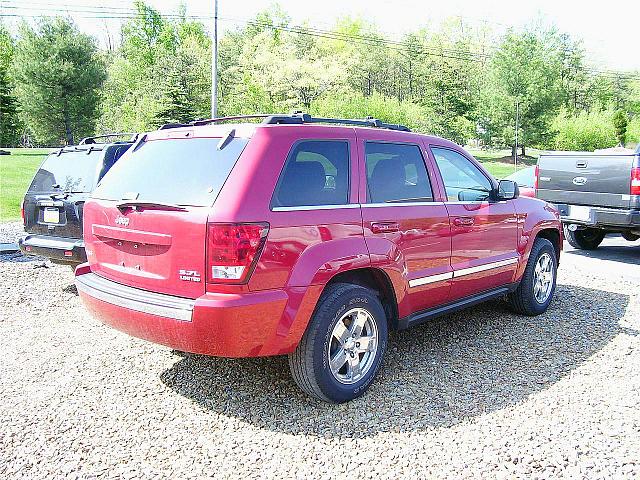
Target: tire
630, 237
526, 299
585, 238
310, 362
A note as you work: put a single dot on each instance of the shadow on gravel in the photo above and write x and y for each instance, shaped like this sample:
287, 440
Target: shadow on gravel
436, 375
18, 257
617, 253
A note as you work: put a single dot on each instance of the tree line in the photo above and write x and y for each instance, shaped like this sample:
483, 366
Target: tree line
461, 82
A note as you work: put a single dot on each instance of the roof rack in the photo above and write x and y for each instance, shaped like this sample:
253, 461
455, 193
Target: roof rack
89, 140
295, 118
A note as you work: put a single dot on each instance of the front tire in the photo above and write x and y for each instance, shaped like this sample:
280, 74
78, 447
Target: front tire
342, 349
584, 238
538, 283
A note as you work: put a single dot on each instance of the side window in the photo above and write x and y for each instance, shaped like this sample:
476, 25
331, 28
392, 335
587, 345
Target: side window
462, 179
315, 173
396, 173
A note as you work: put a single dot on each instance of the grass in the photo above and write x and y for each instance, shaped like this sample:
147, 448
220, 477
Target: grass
500, 162
16, 172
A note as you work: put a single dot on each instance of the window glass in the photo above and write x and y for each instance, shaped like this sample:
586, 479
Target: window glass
462, 179
68, 172
316, 173
179, 171
396, 173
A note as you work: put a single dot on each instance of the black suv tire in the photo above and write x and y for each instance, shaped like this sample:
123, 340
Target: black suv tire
584, 238
523, 300
310, 362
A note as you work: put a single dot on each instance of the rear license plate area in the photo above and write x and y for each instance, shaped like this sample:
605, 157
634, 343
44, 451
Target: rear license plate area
578, 212
51, 215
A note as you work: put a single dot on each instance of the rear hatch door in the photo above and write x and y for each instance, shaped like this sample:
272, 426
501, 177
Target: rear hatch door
53, 203
146, 224
587, 179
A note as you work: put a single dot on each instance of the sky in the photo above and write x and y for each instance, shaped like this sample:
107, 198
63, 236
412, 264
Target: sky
610, 30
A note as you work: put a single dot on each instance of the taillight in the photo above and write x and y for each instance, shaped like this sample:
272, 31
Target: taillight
535, 179
233, 250
635, 181
22, 212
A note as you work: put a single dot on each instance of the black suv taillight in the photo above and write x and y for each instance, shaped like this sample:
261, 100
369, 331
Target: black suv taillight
233, 250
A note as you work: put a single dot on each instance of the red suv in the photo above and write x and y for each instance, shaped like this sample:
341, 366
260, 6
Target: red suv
297, 237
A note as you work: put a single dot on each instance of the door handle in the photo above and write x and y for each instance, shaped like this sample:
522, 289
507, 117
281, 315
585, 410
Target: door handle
377, 227
463, 221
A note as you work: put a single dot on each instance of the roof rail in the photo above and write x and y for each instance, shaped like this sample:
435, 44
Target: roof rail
295, 118
89, 140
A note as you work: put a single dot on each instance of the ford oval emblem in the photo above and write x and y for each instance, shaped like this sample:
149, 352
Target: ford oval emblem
124, 221
579, 180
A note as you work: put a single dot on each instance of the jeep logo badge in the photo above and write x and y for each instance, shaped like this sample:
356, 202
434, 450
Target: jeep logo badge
124, 221
579, 180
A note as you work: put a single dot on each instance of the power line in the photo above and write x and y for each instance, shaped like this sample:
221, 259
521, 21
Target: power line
124, 13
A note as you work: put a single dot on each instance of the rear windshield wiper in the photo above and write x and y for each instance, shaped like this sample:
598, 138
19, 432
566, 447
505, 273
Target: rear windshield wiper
151, 205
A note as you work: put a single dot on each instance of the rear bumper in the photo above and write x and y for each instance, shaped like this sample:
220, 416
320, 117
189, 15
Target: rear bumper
603, 217
59, 249
226, 325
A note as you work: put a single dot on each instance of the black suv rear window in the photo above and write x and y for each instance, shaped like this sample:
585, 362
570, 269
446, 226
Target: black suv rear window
177, 171
316, 173
68, 172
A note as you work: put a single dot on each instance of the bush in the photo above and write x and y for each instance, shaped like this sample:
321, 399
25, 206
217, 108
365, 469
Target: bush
350, 104
633, 132
586, 131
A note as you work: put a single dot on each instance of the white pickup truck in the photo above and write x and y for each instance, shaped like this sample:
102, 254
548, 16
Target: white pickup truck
596, 193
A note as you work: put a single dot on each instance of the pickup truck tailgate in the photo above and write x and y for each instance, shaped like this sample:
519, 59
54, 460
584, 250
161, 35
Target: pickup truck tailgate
585, 179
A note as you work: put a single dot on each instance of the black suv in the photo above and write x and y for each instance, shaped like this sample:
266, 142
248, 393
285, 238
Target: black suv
52, 206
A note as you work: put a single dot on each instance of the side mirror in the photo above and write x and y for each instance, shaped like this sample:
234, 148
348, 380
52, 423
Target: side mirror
507, 190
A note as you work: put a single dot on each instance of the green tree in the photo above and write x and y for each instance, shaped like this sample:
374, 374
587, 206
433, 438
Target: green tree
620, 122
524, 72
160, 74
9, 122
58, 74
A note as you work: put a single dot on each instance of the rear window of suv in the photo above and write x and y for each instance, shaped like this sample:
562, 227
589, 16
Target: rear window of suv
68, 172
177, 171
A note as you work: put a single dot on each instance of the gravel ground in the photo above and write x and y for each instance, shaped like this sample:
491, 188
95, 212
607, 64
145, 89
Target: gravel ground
483, 393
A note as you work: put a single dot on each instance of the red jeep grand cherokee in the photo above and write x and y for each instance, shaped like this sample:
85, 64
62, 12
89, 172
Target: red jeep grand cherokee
301, 238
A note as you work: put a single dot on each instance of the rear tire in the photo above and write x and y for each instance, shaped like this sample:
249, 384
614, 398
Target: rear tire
585, 238
342, 349
538, 283
630, 237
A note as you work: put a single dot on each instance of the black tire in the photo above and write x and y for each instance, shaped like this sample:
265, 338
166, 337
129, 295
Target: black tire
523, 299
309, 363
630, 237
584, 238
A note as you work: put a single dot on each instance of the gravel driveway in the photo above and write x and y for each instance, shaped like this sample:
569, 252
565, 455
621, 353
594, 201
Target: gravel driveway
483, 393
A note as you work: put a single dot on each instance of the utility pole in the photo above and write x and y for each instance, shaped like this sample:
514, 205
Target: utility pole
214, 63
515, 151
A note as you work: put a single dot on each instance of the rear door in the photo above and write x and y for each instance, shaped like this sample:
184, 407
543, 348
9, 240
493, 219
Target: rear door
588, 179
147, 225
484, 233
53, 203
403, 222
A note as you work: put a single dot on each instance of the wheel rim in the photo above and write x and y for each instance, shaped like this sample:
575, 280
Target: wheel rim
353, 346
543, 278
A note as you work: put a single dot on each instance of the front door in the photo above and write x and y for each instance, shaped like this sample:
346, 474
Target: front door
403, 225
484, 233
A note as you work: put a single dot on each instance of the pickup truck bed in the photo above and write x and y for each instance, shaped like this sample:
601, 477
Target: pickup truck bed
596, 193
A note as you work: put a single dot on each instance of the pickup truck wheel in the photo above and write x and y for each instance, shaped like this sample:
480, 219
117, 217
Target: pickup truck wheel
538, 283
341, 351
584, 238
630, 237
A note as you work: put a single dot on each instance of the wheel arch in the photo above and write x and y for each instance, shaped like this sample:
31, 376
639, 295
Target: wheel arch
375, 279
555, 237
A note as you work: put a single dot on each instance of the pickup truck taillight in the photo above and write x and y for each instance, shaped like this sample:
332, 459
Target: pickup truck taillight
22, 212
635, 181
233, 250
535, 178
